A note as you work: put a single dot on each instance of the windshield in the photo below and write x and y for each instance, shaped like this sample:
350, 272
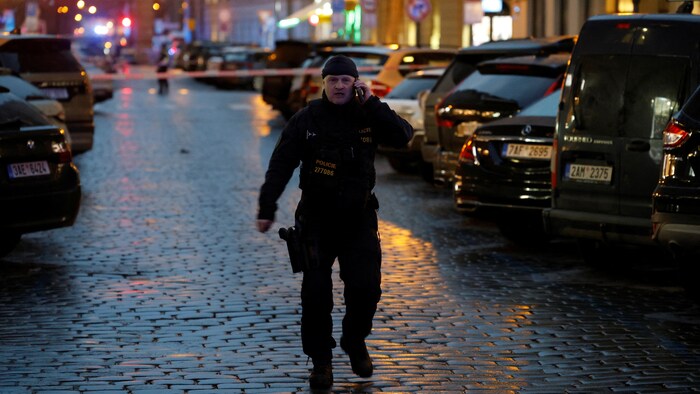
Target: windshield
38, 56
640, 105
546, 106
523, 89
15, 113
20, 87
410, 87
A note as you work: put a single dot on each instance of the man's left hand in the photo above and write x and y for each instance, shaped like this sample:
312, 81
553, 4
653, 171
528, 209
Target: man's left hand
263, 225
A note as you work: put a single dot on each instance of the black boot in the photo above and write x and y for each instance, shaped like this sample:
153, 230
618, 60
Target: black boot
321, 377
359, 357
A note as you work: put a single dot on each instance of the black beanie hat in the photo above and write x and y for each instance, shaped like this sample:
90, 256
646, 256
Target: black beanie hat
339, 65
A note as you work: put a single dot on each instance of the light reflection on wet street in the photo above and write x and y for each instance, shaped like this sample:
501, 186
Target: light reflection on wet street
163, 284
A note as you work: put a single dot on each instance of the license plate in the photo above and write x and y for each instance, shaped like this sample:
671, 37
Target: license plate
56, 93
32, 168
524, 151
588, 173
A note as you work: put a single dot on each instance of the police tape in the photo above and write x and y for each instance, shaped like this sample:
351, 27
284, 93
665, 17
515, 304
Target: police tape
139, 73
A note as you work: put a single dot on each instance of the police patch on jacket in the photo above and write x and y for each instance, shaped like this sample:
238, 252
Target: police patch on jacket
326, 168
365, 135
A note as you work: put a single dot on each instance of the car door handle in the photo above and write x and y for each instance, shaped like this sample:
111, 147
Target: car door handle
638, 146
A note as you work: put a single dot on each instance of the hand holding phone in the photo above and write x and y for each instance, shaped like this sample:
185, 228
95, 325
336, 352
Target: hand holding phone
360, 94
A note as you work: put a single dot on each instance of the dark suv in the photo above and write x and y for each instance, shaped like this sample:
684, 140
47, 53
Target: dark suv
500, 88
48, 63
628, 74
676, 200
462, 66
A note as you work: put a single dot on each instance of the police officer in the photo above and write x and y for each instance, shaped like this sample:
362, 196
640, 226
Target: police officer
335, 140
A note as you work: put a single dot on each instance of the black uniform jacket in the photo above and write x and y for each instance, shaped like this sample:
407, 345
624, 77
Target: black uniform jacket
358, 129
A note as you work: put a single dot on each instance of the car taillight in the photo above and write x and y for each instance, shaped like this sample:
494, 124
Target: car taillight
379, 89
440, 120
675, 135
313, 88
62, 150
467, 152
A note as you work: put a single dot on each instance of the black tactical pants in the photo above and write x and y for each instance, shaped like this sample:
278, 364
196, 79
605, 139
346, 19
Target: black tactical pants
355, 243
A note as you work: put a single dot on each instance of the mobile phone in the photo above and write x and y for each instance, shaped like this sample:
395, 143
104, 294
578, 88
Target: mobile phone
360, 94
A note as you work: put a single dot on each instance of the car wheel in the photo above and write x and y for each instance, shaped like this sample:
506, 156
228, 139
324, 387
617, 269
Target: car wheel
8, 241
523, 229
426, 171
400, 165
689, 272
596, 253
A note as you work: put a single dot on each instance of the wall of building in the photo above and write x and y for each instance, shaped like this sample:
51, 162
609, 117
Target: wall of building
444, 27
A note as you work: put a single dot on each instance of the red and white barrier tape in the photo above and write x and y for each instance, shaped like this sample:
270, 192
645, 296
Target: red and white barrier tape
178, 73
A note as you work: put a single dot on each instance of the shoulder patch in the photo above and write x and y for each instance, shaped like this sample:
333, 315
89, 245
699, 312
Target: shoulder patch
365, 135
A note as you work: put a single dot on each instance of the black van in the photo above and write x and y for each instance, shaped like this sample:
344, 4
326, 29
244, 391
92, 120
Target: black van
628, 74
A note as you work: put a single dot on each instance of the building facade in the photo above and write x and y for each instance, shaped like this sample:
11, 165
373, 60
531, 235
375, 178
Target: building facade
447, 23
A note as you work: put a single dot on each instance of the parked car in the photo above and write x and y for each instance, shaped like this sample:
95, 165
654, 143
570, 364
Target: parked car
194, 56
275, 90
284, 91
90, 53
385, 67
628, 75
500, 88
48, 63
382, 67
307, 84
463, 64
676, 199
406, 99
102, 83
39, 184
52, 109
503, 171
238, 59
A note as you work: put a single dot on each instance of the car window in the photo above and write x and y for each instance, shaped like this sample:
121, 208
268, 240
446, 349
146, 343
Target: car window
410, 87
523, 89
546, 106
655, 90
454, 74
20, 87
603, 104
367, 59
38, 56
15, 112
691, 108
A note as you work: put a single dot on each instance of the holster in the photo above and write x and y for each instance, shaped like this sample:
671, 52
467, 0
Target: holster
303, 255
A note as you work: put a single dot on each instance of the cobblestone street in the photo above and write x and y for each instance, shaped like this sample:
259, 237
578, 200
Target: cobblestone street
164, 286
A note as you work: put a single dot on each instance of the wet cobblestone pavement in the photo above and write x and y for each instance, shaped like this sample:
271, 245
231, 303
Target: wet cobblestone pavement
163, 286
